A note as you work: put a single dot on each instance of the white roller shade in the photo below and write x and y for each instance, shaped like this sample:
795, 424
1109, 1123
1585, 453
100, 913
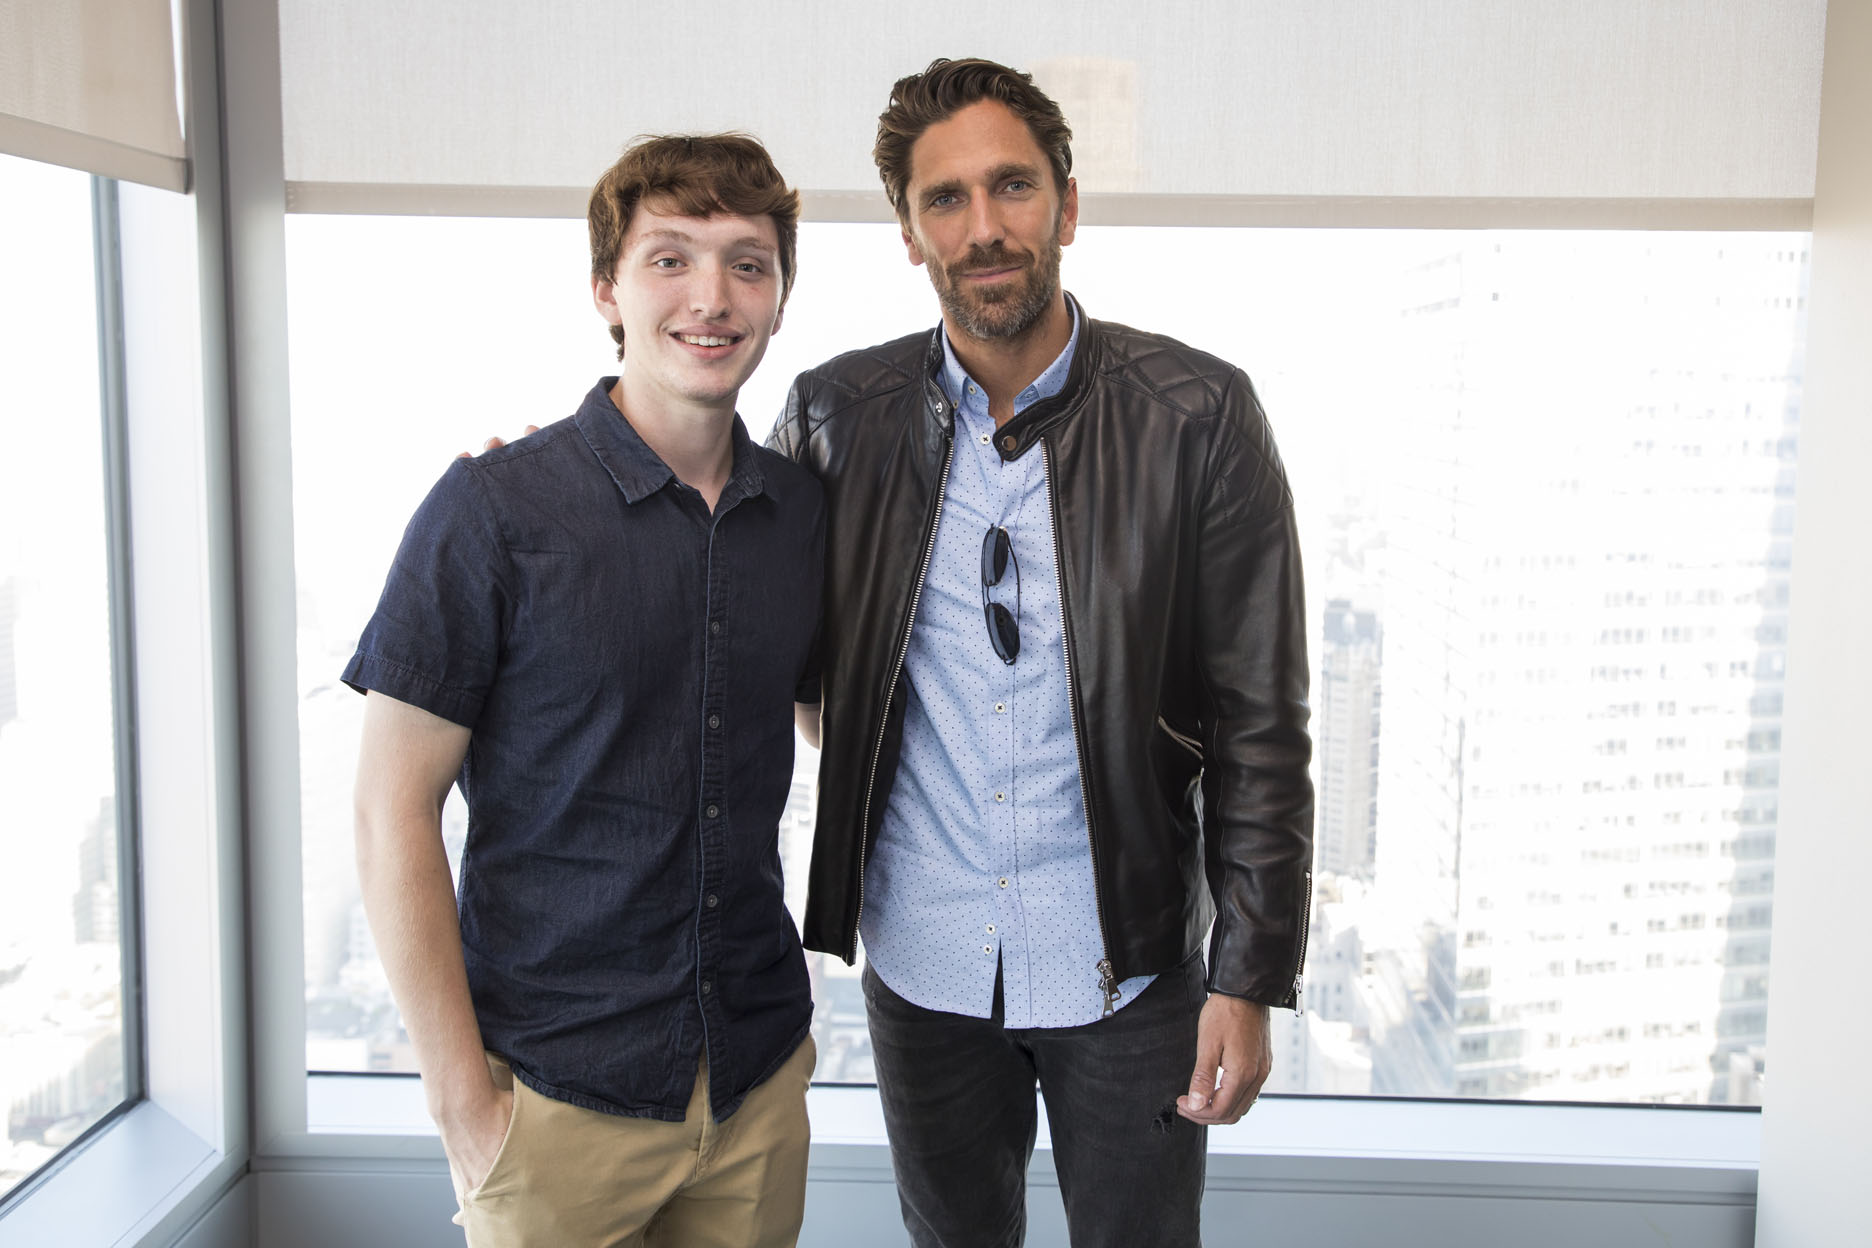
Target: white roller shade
91, 84
1206, 108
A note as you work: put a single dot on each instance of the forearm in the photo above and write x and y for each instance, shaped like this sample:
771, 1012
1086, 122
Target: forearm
1257, 825
806, 719
1257, 828
410, 901
1258, 812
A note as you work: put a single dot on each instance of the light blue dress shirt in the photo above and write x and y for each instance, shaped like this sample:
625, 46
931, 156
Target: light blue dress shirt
983, 855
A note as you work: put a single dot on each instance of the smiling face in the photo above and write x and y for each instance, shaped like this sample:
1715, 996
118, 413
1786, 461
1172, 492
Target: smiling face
697, 299
983, 212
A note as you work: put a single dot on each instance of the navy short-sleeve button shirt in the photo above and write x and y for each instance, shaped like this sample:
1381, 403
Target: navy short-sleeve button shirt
628, 663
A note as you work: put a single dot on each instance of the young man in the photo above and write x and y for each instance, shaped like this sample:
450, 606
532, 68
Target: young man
602, 632
1065, 704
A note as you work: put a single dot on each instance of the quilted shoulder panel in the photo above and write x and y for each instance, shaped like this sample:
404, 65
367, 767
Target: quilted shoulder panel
1174, 374
1195, 385
861, 375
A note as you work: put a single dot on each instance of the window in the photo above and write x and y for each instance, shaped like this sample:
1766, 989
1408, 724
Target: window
1525, 516
68, 1038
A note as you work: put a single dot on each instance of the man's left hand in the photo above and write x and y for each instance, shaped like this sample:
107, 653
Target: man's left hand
1233, 1058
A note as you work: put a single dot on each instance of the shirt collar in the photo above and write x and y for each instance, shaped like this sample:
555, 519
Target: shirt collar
955, 379
638, 470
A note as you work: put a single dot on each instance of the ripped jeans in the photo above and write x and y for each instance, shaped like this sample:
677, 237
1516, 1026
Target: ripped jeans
958, 1097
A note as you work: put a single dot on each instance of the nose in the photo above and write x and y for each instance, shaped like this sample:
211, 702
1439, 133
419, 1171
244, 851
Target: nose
708, 292
984, 220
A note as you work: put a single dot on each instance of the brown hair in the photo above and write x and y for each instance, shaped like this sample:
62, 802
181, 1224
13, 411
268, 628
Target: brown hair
695, 175
944, 89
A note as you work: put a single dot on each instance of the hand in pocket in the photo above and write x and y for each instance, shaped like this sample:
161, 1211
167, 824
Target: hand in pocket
474, 1140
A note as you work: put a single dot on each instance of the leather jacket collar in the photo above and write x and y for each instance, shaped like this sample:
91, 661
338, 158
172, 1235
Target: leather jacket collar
1024, 432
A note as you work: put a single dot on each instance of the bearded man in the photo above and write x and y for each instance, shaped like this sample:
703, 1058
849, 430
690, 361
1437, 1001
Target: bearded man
1064, 704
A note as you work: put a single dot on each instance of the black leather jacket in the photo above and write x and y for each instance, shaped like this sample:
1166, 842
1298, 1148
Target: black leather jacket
1179, 571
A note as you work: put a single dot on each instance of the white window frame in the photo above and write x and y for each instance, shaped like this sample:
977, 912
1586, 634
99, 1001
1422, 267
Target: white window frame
163, 1161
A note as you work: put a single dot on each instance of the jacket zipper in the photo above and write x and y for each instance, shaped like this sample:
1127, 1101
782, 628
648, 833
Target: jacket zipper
1306, 922
903, 651
1108, 982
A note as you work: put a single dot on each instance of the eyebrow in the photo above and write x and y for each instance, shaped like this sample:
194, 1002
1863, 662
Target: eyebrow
1016, 170
1000, 173
666, 234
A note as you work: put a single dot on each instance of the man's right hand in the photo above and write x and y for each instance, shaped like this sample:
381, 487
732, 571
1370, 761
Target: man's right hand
473, 1138
495, 443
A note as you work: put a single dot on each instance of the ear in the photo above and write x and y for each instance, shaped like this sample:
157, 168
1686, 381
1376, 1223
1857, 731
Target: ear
604, 298
1069, 212
778, 316
910, 245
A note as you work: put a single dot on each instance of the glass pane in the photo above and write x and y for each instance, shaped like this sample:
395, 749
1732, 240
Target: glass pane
1545, 488
62, 1060
1548, 554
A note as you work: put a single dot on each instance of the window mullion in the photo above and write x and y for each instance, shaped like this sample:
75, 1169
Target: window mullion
113, 406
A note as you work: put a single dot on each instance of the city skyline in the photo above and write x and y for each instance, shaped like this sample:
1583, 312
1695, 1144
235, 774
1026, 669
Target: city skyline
1584, 597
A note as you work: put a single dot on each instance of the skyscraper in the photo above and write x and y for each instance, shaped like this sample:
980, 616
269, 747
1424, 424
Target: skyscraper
1345, 734
1584, 636
95, 908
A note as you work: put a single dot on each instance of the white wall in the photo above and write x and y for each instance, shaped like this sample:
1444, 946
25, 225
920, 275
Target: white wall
1815, 1155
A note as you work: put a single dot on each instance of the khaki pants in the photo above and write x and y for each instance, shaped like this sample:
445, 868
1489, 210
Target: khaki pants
569, 1177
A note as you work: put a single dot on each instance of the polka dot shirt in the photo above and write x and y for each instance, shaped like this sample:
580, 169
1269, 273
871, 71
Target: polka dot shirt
982, 858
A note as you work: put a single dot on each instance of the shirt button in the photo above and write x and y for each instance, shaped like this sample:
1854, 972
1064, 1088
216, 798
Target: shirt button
971, 388
714, 626
1000, 708
987, 948
991, 929
712, 810
714, 721
985, 438
711, 901
1000, 797
1002, 881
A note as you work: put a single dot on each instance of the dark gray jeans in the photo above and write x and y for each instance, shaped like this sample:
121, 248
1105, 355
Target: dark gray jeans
958, 1096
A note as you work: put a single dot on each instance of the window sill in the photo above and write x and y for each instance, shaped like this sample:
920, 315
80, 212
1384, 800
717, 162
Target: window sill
143, 1171
1291, 1144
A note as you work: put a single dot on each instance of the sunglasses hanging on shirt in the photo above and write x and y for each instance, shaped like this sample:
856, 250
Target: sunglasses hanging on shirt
1003, 626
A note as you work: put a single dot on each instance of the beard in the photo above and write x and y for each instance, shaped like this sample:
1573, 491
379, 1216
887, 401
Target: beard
1002, 313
